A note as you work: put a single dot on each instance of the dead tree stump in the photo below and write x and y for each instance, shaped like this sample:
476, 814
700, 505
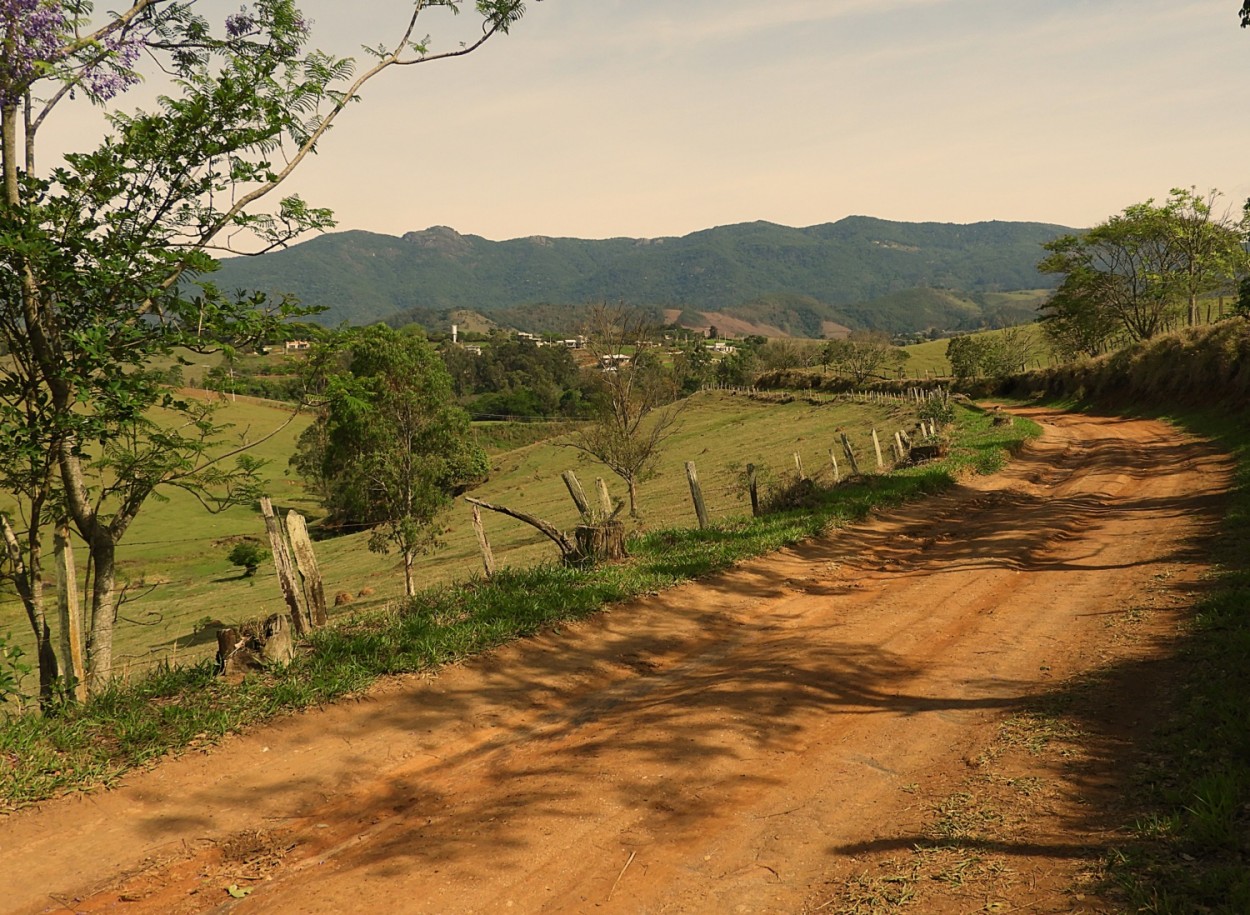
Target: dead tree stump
600, 542
255, 646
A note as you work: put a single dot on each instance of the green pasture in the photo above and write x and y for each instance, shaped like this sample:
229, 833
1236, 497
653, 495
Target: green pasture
177, 579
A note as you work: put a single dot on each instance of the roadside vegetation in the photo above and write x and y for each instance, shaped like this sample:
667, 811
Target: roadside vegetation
176, 706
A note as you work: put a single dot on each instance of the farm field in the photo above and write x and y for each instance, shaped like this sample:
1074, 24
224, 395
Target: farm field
178, 580
862, 721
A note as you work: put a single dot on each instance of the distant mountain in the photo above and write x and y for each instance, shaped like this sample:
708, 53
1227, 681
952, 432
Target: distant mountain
801, 281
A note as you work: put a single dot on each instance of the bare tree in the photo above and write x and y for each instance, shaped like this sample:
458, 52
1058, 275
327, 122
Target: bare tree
637, 409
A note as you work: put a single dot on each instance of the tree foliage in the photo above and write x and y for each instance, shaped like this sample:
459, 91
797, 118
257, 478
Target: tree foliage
864, 355
105, 251
517, 378
1142, 271
996, 355
389, 448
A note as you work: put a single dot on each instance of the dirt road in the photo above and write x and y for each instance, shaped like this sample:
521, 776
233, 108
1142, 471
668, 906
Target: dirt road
779, 738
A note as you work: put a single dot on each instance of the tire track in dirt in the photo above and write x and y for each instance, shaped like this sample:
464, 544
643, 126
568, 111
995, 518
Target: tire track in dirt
724, 746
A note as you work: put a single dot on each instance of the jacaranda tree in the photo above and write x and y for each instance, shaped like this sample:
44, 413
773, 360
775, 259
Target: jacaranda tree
105, 251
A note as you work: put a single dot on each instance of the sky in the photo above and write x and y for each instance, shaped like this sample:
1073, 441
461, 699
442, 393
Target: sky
646, 118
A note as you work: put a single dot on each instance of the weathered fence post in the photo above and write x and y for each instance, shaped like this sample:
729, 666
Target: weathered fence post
837, 475
876, 446
306, 564
605, 497
898, 441
850, 454
753, 489
576, 491
488, 557
71, 616
696, 493
798, 466
282, 564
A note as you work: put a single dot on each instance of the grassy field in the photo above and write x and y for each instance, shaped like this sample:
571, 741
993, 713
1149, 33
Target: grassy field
176, 576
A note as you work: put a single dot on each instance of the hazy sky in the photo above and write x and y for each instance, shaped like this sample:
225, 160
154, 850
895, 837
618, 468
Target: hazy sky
597, 118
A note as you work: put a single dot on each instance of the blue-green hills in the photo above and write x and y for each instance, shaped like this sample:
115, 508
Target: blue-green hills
858, 272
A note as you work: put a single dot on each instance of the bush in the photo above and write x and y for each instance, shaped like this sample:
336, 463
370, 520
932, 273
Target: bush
249, 554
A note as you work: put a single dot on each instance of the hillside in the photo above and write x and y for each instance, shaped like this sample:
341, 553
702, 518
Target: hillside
798, 280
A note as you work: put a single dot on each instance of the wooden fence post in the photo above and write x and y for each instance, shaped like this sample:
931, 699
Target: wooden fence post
488, 557
850, 454
876, 446
306, 564
71, 615
898, 441
696, 493
798, 466
282, 564
576, 491
753, 489
605, 497
837, 474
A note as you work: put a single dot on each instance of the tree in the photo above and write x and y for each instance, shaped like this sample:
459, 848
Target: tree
864, 354
635, 409
389, 445
740, 367
968, 356
1074, 325
692, 366
1146, 267
1210, 245
103, 252
992, 355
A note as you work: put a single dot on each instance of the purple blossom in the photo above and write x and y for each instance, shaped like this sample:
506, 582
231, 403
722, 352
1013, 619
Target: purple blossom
38, 32
113, 73
240, 23
33, 31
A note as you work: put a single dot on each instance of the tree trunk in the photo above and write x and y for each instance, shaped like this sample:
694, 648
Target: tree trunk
70, 613
600, 542
409, 586
633, 497
103, 614
28, 580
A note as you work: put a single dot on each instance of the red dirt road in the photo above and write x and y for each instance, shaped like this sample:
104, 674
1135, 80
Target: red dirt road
767, 740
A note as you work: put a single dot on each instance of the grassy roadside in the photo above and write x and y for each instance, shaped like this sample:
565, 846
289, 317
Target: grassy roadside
176, 708
1190, 845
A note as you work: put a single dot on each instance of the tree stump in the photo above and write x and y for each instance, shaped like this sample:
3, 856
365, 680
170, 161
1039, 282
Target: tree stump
599, 542
254, 646
278, 647
918, 454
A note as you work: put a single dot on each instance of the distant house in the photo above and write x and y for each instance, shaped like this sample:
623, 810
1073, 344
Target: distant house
612, 361
720, 346
522, 335
473, 349
297, 346
577, 342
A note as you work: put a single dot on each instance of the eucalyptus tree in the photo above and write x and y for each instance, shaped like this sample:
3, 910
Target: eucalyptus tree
104, 250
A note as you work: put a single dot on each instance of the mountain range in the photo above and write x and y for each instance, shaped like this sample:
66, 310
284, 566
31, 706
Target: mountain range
859, 272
